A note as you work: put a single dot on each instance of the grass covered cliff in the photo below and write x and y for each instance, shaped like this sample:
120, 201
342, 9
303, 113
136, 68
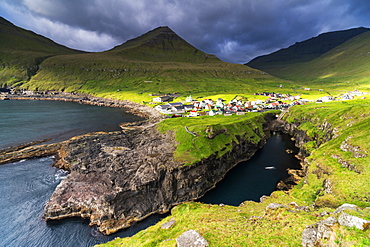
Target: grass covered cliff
213, 135
337, 172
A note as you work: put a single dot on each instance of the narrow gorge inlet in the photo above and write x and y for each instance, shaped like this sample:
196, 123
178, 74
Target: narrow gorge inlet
254, 178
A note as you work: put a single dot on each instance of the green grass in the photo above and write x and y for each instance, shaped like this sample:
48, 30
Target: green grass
341, 69
350, 119
117, 77
225, 226
246, 225
215, 135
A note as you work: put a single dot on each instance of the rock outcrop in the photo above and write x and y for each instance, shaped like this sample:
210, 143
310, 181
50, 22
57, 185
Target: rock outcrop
191, 238
314, 234
121, 177
300, 137
325, 232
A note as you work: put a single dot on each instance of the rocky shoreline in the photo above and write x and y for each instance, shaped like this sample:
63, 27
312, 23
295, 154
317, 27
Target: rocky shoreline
37, 149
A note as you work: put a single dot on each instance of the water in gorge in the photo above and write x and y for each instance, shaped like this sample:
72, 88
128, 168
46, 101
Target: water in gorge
251, 179
27, 185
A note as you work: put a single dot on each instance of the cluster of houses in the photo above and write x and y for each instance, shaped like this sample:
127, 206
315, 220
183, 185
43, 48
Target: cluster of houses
210, 107
345, 96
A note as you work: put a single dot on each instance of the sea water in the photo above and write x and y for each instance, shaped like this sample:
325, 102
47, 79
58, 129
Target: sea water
23, 121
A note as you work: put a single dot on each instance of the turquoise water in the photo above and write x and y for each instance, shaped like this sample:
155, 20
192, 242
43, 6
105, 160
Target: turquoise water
23, 121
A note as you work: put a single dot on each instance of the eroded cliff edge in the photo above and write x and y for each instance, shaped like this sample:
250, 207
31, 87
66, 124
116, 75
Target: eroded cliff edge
116, 178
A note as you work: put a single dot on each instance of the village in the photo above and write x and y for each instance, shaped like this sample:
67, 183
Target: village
239, 105
190, 107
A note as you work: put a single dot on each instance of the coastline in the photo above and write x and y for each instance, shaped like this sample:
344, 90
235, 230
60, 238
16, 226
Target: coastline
38, 148
134, 108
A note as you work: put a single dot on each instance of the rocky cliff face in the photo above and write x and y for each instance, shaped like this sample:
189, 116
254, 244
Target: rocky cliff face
117, 178
300, 136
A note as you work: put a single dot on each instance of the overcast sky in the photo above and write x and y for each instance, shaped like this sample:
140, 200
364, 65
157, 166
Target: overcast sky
234, 30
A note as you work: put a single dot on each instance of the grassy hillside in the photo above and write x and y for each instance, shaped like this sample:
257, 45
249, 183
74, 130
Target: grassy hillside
345, 67
21, 52
304, 51
343, 161
156, 62
327, 184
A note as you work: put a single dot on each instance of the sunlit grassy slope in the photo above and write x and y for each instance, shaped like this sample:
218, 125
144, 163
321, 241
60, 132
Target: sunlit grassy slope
156, 62
21, 52
225, 130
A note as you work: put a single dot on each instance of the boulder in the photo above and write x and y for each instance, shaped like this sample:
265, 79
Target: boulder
346, 206
313, 234
168, 225
353, 221
191, 238
275, 206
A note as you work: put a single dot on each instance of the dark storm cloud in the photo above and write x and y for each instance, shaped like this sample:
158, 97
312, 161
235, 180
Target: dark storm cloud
234, 30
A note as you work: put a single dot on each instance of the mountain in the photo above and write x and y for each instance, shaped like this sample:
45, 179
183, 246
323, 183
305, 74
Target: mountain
304, 51
158, 61
159, 45
21, 51
347, 66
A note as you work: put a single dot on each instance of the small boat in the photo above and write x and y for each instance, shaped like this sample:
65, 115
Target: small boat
270, 167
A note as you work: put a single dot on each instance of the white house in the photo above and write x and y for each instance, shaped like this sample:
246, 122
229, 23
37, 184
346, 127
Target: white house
165, 109
189, 99
193, 114
162, 99
325, 98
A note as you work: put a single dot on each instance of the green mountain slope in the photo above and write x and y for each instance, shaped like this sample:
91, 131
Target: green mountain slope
21, 52
156, 62
345, 67
303, 51
160, 45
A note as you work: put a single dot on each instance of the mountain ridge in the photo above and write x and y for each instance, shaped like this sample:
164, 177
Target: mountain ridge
22, 51
304, 51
